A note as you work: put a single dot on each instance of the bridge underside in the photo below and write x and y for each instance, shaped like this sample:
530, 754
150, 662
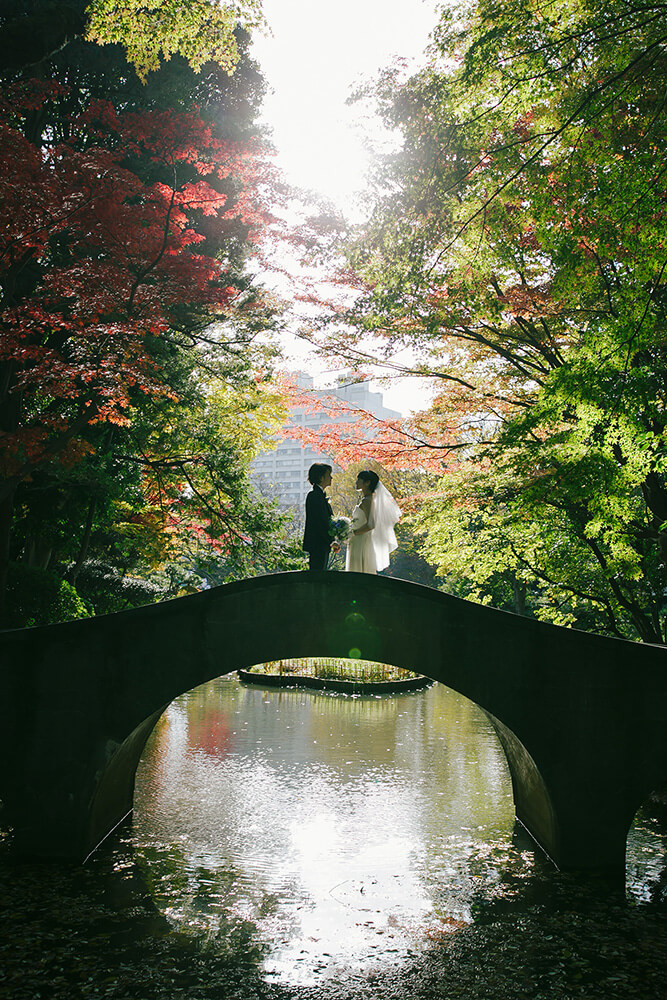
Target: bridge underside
581, 718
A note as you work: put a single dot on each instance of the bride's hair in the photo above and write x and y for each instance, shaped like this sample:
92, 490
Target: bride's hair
369, 477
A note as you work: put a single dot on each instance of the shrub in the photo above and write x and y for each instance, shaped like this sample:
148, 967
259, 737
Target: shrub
108, 591
38, 597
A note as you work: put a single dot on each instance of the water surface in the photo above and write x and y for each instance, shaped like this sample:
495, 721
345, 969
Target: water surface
334, 835
299, 846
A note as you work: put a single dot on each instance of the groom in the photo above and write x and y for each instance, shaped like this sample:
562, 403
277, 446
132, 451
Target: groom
317, 535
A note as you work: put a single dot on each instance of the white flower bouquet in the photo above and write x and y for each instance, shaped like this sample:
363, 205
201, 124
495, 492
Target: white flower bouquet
340, 529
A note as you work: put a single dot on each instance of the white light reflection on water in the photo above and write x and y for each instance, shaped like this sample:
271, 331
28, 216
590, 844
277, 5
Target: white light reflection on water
646, 855
327, 832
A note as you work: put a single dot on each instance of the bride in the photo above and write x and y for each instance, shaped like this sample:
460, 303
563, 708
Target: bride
372, 536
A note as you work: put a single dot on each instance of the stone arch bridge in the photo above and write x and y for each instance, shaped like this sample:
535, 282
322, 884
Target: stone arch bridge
582, 718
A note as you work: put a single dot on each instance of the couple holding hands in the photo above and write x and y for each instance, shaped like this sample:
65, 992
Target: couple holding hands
370, 530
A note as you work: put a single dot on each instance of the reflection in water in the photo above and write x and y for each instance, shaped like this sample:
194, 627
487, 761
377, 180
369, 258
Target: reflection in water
333, 831
332, 839
363, 846
646, 856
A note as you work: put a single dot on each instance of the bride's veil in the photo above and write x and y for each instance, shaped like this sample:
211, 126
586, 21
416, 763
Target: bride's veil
386, 513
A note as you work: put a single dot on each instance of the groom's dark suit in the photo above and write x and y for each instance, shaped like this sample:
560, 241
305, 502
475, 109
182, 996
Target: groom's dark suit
316, 537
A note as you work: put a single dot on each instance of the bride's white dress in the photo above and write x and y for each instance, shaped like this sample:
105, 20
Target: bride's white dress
360, 557
370, 551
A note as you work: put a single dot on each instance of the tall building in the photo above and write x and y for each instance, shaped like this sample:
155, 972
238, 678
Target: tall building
282, 472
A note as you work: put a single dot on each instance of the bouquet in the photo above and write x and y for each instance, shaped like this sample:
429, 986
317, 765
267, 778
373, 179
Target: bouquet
340, 529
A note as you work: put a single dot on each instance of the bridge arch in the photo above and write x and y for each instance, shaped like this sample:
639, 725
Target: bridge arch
114, 792
580, 717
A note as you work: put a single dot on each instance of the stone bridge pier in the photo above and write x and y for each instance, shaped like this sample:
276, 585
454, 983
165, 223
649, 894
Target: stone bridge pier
582, 718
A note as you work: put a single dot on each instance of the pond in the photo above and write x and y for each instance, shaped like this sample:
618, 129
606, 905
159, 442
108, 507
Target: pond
294, 843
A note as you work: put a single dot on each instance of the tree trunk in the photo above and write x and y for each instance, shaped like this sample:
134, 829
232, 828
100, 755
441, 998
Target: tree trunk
6, 517
519, 590
85, 543
655, 497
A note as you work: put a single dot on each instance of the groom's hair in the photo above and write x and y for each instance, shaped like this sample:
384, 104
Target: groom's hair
317, 472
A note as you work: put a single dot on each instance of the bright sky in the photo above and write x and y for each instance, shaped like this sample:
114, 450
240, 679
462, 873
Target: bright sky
315, 55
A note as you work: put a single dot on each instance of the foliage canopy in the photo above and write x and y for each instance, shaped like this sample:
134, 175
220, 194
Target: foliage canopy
517, 248
151, 30
133, 392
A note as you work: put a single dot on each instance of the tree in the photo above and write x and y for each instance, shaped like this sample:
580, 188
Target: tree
517, 248
128, 226
201, 31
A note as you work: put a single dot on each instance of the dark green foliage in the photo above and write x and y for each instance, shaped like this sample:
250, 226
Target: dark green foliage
106, 590
33, 30
37, 597
518, 249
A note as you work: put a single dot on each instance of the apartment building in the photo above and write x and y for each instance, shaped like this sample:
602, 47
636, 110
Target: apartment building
282, 472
